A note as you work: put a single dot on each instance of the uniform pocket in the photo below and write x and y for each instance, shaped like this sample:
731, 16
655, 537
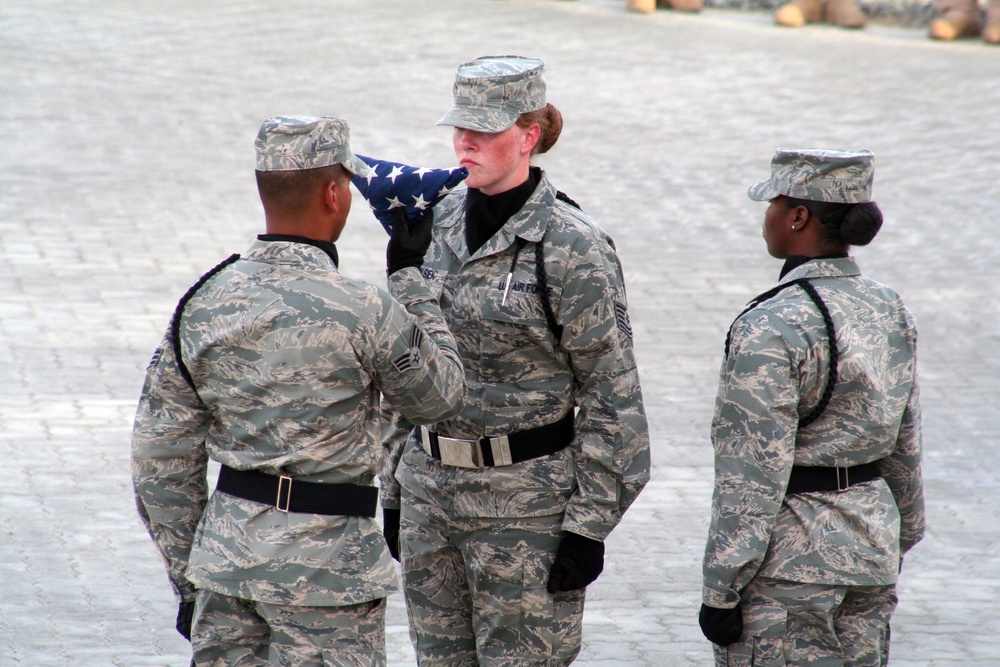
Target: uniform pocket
763, 643
525, 624
516, 345
534, 488
351, 655
368, 648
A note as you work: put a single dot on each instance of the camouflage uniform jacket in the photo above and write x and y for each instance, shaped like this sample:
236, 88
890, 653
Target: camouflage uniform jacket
520, 377
289, 357
775, 373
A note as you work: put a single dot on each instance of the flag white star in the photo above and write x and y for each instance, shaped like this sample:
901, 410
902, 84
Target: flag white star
373, 173
394, 203
445, 190
396, 171
423, 170
420, 203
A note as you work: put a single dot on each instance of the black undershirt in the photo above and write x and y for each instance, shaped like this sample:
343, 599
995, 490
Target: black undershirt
486, 214
326, 246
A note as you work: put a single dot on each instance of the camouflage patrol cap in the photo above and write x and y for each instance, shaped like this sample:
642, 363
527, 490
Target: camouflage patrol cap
491, 92
291, 143
818, 175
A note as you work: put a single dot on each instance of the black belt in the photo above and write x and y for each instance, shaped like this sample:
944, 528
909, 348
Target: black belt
291, 495
501, 450
806, 479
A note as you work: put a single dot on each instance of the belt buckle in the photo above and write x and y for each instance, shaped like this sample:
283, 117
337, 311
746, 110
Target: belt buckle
501, 451
847, 479
460, 453
284, 482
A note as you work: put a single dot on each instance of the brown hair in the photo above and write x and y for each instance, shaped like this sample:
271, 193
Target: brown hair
549, 120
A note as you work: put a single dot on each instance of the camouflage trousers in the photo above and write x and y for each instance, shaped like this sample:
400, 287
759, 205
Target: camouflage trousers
475, 589
786, 623
232, 632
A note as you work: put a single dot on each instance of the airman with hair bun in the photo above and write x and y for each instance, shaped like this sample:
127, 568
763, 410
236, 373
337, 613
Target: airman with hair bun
818, 482
500, 513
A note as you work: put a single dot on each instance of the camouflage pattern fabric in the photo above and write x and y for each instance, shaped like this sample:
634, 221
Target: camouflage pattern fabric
475, 588
818, 175
788, 623
775, 373
292, 143
520, 378
289, 357
490, 93
230, 631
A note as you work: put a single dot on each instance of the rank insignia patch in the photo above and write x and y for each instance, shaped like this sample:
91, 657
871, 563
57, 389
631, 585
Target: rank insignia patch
621, 315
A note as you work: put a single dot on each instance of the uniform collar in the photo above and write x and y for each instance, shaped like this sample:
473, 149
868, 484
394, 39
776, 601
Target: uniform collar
486, 214
822, 267
293, 251
795, 261
529, 224
326, 246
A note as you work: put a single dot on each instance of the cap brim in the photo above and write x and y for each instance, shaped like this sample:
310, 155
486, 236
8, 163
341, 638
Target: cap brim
763, 191
478, 119
357, 166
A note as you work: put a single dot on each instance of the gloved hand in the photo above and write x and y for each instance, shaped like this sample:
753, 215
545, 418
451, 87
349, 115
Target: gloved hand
409, 242
721, 626
185, 614
579, 561
390, 529
395, 187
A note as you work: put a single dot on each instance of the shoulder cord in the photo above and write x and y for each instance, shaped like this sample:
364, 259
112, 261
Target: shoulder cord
542, 278
831, 379
540, 275
175, 321
543, 292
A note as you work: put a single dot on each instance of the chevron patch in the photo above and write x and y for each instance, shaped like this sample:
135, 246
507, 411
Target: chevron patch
412, 358
621, 315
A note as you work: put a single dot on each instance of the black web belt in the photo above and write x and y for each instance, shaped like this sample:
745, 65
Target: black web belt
807, 479
290, 495
500, 450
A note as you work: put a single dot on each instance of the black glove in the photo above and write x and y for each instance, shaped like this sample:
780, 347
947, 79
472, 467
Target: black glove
408, 242
185, 614
721, 626
579, 561
390, 529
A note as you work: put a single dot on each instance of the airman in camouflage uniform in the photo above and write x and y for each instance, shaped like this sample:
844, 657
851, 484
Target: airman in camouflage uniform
818, 487
272, 368
496, 551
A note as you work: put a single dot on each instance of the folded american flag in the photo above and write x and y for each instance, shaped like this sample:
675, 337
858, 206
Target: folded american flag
414, 189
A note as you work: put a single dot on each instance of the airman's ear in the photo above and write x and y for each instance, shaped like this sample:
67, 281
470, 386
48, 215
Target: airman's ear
532, 135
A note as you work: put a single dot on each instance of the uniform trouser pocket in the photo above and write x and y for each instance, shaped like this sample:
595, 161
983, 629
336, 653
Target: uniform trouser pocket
475, 589
367, 647
822, 624
518, 622
764, 628
233, 631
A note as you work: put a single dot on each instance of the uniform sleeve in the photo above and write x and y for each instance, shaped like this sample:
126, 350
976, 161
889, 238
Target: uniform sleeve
169, 463
753, 433
395, 431
612, 436
415, 358
903, 469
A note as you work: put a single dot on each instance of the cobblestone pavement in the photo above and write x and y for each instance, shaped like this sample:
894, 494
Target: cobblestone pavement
126, 162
